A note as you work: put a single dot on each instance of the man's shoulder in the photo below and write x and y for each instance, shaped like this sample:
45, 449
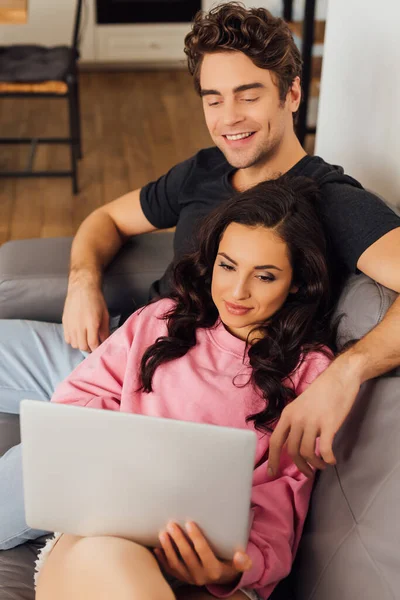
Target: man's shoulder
325, 174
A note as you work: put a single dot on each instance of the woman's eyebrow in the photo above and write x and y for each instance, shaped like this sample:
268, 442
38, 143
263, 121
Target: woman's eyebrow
228, 257
258, 267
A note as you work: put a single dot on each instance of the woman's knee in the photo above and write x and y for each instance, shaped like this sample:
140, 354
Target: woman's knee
105, 563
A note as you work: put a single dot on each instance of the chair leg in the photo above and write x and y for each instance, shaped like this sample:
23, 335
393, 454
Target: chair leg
78, 118
73, 134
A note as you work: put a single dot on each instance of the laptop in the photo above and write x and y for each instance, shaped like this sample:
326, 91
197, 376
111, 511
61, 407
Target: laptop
93, 472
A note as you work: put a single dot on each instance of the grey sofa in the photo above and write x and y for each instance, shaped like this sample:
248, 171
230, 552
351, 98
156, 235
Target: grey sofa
350, 548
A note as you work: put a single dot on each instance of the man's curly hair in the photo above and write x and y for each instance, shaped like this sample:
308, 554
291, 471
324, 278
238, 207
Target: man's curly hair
265, 39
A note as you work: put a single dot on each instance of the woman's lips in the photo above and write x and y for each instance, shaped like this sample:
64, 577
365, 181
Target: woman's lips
236, 309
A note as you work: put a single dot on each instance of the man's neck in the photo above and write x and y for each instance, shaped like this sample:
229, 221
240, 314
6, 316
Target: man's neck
288, 155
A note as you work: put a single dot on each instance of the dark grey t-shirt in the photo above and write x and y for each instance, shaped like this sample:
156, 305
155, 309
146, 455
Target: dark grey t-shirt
353, 218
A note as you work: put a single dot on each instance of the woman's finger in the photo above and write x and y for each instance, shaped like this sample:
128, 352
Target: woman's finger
172, 558
187, 553
212, 566
242, 562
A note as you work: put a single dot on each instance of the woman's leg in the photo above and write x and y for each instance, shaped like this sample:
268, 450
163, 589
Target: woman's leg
100, 568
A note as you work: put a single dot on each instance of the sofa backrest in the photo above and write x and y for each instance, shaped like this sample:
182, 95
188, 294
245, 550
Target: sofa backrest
349, 549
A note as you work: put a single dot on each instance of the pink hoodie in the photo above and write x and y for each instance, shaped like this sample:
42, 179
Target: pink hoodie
200, 387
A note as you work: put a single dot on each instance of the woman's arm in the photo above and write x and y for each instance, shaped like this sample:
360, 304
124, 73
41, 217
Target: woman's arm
279, 507
97, 382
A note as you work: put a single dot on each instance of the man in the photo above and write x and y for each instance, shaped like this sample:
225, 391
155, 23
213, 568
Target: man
247, 70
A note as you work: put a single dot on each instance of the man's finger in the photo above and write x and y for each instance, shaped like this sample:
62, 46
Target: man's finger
277, 441
104, 331
82, 341
308, 448
294, 442
73, 340
93, 339
303, 467
325, 447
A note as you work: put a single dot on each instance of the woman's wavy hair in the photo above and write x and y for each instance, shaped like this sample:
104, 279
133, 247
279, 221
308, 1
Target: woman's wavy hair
288, 207
265, 39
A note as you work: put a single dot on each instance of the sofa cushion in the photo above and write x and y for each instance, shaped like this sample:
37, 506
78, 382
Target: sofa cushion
17, 567
362, 304
34, 275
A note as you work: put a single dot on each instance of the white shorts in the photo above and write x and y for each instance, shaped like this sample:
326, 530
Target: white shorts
51, 542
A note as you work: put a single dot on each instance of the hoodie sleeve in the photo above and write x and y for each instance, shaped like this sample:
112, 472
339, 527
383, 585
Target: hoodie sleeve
279, 507
97, 382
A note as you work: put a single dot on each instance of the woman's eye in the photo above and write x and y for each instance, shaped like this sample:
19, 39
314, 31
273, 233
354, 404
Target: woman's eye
226, 267
268, 278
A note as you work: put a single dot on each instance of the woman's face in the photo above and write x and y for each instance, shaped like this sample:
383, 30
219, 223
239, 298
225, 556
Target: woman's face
252, 277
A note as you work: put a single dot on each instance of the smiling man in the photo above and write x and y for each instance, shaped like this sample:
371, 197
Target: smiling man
247, 69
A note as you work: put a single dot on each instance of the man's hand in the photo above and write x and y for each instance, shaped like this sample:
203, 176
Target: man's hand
195, 563
85, 319
318, 412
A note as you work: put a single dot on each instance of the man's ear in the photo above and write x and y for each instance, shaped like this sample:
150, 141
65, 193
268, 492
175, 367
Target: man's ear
293, 97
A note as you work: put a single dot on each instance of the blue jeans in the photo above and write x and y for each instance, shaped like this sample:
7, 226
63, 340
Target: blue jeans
34, 358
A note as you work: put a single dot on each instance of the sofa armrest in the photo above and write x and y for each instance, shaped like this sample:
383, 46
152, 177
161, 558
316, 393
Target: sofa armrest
34, 275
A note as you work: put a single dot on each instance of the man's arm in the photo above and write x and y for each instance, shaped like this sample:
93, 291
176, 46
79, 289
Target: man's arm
98, 239
322, 408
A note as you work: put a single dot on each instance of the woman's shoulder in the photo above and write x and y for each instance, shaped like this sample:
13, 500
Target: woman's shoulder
310, 366
151, 315
158, 309
154, 311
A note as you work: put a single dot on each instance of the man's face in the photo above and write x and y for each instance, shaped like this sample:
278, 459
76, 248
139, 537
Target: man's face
244, 114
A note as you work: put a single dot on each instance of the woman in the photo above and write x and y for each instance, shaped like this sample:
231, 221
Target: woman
244, 332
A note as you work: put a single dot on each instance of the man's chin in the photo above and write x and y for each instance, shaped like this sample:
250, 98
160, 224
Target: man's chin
238, 162
237, 159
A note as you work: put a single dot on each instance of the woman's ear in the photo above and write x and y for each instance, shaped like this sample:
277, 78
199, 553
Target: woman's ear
294, 289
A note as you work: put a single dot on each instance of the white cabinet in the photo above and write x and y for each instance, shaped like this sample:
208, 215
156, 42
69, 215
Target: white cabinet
140, 43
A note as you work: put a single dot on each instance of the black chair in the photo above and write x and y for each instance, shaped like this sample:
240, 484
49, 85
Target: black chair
42, 72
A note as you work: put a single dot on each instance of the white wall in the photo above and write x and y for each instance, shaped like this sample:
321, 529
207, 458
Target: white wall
359, 108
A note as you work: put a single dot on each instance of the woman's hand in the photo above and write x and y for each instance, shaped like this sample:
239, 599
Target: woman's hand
187, 556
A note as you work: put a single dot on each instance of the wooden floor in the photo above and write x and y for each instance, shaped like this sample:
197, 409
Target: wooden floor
135, 126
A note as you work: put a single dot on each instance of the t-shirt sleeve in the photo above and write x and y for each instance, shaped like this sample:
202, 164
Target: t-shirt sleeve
355, 219
160, 199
